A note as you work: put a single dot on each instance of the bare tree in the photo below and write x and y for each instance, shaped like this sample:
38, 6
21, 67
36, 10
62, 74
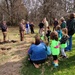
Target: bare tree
39, 9
13, 10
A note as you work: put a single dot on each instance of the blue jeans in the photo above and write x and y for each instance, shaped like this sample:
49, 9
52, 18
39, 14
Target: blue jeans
69, 43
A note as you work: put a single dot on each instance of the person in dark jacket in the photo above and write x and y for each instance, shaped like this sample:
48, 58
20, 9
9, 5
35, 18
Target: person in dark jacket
4, 29
55, 23
41, 26
22, 29
37, 52
48, 33
32, 27
70, 27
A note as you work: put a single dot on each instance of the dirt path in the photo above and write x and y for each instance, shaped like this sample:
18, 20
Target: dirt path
11, 60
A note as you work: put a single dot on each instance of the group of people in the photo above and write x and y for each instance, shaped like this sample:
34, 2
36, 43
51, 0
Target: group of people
24, 27
44, 29
59, 41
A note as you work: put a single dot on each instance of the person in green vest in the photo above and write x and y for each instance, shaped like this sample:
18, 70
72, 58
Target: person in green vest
55, 47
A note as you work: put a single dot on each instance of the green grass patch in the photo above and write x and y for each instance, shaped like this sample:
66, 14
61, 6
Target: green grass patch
66, 66
29, 69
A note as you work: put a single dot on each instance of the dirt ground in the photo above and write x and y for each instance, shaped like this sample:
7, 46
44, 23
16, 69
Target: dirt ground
11, 56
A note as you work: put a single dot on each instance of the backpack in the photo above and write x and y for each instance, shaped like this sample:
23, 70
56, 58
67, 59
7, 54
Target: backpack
64, 39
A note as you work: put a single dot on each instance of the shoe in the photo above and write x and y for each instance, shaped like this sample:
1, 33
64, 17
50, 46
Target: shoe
61, 55
64, 57
56, 65
66, 50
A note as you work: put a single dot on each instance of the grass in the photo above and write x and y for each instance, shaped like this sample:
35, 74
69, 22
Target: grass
66, 66
11, 60
13, 34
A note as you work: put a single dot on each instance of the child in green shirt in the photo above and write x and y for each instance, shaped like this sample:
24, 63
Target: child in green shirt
55, 50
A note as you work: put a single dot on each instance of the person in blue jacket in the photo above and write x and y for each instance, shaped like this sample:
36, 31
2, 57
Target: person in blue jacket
27, 27
37, 52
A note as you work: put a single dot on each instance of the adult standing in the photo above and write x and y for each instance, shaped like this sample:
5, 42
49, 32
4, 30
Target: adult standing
70, 27
4, 29
22, 29
55, 23
37, 52
46, 24
63, 23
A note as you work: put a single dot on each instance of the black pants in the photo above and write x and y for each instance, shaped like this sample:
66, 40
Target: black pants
48, 39
55, 57
38, 62
32, 30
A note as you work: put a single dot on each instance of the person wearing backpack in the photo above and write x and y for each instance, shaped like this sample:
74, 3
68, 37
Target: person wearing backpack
71, 31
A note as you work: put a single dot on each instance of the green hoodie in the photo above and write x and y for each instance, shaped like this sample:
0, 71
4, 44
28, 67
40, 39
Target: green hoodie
55, 51
63, 45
